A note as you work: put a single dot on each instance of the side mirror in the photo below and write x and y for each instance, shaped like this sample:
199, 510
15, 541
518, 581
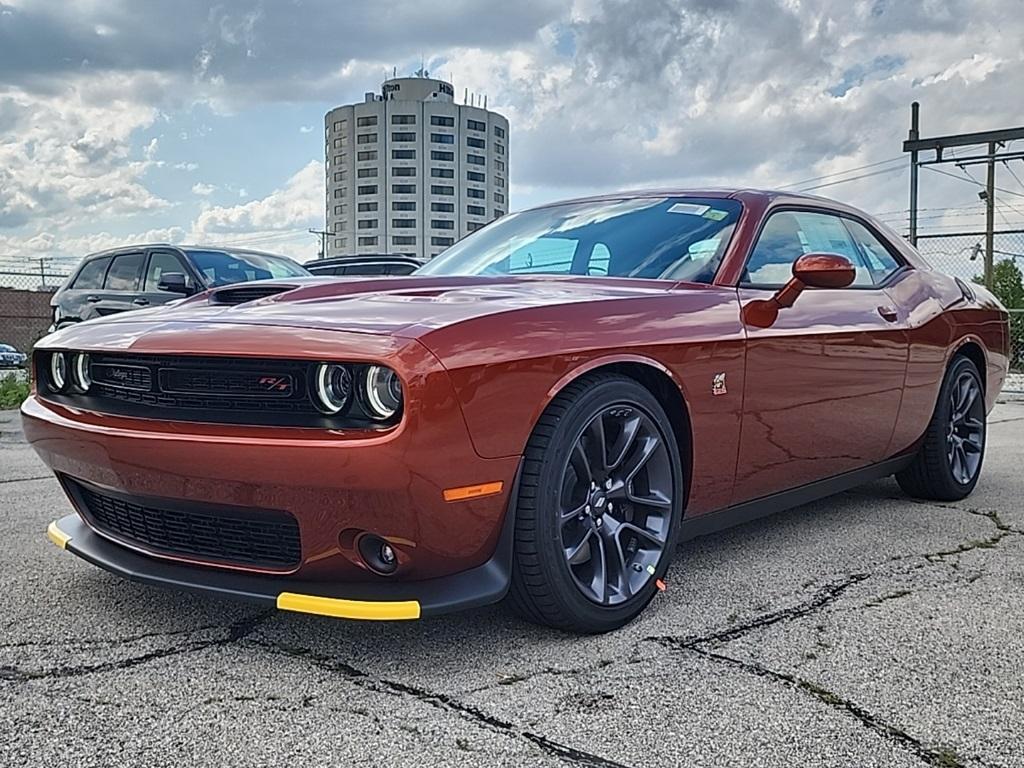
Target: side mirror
174, 282
815, 270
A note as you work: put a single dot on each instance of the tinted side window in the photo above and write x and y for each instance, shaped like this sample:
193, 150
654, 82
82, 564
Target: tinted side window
91, 275
124, 273
364, 269
880, 263
401, 269
161, 262
788, 235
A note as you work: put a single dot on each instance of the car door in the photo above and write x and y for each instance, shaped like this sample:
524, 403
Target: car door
120, 287
824, 381
76, 301
161, 261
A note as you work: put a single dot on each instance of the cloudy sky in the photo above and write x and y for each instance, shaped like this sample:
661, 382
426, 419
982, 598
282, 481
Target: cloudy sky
195, 121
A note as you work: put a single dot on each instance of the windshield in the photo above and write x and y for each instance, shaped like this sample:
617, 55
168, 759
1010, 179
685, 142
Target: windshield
668, 238
226, 267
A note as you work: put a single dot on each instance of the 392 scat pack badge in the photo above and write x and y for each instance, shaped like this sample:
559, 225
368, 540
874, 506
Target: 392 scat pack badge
496, 425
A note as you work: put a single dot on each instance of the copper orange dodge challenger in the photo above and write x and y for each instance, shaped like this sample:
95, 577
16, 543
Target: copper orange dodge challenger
543, 411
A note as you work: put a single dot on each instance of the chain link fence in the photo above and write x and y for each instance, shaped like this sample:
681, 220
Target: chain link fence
962, 254
25, 313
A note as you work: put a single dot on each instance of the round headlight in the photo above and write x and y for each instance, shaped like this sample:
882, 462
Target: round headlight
381, 392
81, 372
58, 371
333, 385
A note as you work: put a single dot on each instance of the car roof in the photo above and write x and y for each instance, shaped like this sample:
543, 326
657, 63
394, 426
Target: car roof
185, 248
375, 258
713, 193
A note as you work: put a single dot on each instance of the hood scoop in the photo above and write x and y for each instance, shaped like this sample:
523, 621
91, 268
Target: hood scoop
242, 294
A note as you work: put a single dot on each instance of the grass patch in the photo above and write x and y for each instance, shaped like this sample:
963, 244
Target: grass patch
12, 392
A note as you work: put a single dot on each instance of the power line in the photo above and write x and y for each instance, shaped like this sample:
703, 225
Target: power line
839, 173
969, 180
852, 178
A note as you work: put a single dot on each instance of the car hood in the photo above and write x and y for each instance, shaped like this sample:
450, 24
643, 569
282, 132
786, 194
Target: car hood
395, 306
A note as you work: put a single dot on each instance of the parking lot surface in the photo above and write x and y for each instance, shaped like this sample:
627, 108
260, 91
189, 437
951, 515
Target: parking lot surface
862, 630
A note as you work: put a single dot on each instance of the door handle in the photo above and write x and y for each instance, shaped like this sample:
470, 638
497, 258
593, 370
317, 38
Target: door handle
92, 299
142, 302
888, 314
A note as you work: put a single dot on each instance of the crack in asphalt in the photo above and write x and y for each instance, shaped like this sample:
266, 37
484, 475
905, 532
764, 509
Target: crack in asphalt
108, 641
445, 702
24, 479
235, 631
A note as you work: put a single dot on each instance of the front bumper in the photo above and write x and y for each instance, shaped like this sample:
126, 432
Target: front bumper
381, 601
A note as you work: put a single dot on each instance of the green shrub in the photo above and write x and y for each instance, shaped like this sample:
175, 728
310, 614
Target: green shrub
13, 390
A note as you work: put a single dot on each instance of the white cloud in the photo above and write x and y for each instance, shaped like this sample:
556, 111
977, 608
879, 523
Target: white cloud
305, 129
186, 167
202, 188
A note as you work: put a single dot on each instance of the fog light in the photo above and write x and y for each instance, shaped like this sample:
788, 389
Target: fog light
379, 556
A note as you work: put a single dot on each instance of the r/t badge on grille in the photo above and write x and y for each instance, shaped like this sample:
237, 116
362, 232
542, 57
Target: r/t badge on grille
718, 384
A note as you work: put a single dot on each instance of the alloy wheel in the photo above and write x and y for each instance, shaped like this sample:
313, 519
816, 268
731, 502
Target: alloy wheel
965, 433
616, 504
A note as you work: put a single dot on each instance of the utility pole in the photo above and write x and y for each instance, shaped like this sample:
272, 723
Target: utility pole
990, 214
914, 135
322, 234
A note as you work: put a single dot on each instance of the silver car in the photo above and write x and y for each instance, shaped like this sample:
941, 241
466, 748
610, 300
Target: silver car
10, 357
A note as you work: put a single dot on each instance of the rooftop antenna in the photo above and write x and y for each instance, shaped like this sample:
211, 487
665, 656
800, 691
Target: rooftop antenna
465, 96
394, 71
485, 101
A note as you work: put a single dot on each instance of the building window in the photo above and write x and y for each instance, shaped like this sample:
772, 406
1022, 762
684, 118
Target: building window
499, 132
339, 159
442, 207
337, 142
442, 120
367, 224
499, 165
366, 154
403, 154
473, 226
404, 171
403, 223
442, 173
339, 193
477, 193
442, 138
337, 125
340, 242
438, 189
499, 182
442, 224
339, 175
476, 160
442, 240
476, 176
478, 143
448, 157
499, 198
403, 189
366, 122
403, 136
476, 210
367, 189
403, 119
339, 226
364, 207
476, 125
366, 173
499, 148
368, 240
366, 138
403, 205
498, 214
403, 240
339, 209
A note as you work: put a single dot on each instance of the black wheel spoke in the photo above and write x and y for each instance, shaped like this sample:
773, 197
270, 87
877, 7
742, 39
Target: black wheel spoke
965, 433
617, 504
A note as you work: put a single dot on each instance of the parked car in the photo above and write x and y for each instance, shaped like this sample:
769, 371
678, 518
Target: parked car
11, 357
542, 412
138, 276
375, 264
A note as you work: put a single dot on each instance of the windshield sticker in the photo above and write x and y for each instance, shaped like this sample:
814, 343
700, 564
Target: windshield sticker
689, 208
714, 214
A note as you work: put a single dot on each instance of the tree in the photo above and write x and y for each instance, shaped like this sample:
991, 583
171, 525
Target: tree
1008, 286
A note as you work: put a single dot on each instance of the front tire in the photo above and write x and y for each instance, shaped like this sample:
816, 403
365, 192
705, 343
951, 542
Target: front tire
598, 510
948, 463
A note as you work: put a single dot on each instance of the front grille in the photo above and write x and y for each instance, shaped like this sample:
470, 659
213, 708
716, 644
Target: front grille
254, 538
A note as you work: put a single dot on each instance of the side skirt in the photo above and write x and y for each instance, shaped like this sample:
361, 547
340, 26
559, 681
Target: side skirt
701, 525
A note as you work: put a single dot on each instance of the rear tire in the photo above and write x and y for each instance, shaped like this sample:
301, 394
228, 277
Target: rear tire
948, 463
598, 509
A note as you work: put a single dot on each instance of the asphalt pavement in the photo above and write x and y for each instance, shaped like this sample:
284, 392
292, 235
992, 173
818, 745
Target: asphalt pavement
863, 630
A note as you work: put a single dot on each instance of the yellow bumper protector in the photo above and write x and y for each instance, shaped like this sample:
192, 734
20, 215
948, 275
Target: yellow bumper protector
349, 609
57, 536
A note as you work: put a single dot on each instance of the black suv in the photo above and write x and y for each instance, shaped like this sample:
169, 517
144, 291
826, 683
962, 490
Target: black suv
379, 264
147, 275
